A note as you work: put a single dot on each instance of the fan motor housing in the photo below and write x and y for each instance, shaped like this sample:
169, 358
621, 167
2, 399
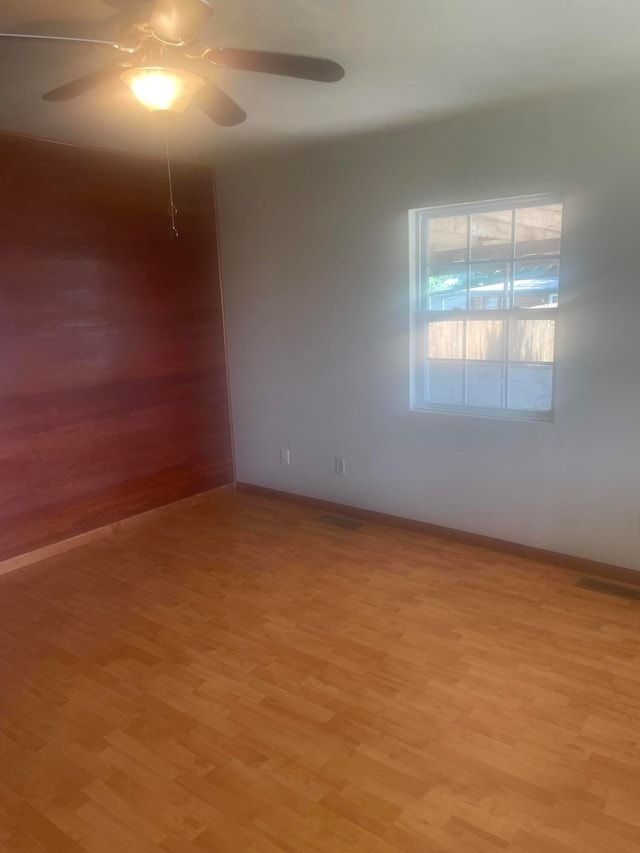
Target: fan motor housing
178, 29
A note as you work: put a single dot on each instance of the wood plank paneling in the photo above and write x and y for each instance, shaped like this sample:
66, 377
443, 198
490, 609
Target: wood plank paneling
113, 388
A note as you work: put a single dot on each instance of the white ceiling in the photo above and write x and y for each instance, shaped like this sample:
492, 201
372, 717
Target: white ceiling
406, 60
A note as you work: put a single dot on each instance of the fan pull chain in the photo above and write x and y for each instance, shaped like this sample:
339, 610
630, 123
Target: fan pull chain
172, 208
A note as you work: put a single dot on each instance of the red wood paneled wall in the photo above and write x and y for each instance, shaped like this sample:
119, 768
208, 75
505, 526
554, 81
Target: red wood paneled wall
113, 388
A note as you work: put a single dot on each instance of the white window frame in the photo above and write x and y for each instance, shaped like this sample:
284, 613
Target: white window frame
419, 316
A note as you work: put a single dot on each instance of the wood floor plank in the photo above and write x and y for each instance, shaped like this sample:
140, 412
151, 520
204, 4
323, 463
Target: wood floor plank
238, 677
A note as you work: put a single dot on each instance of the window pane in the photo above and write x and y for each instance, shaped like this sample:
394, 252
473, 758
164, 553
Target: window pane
535, 284
485, 384
488, 286
492, 235
530, 387
445, 382
486, 305
446, 339
538, 230
485, 339
447, 288
448, 239
532, 340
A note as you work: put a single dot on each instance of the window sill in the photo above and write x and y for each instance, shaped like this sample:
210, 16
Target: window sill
522, 415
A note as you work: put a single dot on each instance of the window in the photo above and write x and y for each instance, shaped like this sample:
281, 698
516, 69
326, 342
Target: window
484, 306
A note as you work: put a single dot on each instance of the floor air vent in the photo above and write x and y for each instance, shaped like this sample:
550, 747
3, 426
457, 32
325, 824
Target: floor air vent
338, 521
607, 588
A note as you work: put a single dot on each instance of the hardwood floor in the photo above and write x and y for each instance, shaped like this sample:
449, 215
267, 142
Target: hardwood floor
240, 677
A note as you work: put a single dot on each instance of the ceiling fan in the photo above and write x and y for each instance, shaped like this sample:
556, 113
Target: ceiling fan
159, 46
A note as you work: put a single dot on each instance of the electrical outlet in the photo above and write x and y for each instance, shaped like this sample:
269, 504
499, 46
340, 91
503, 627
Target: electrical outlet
341, 467
285, 457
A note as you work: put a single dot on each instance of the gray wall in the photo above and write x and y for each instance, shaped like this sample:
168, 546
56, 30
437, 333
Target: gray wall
315, 263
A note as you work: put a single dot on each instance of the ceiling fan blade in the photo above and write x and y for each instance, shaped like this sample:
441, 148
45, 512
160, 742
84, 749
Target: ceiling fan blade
84, 84
285, 64
219, 107
178, 21
17, 37
105, 29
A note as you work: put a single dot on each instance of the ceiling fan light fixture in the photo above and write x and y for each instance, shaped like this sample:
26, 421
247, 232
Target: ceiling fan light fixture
163, 89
